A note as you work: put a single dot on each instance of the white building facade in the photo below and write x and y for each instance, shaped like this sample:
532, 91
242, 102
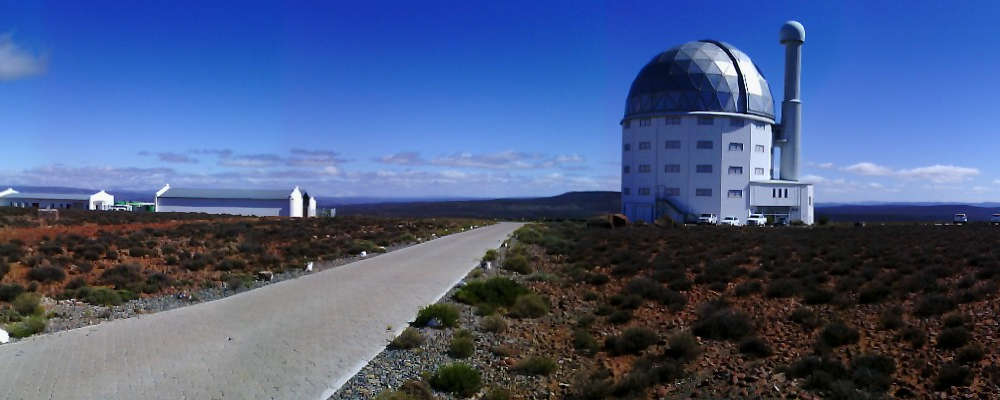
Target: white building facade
251, 202
79, 201
699, 137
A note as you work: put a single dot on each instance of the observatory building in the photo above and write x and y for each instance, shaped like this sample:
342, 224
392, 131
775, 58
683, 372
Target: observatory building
699, 136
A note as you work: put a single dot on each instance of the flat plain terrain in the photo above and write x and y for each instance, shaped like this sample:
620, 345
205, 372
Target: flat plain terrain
292, 340
838, 312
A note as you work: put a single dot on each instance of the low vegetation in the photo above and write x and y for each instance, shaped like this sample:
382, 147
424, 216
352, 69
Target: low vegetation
457, 378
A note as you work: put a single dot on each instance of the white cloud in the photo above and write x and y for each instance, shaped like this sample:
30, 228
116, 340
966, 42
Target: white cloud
867, 168
826, 165
16, 63
940, 173
814, 179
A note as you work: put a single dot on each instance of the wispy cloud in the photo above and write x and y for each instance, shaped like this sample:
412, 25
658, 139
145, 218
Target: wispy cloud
498, 161
869, 169
16, 63
221, 153
168, 157
940, 173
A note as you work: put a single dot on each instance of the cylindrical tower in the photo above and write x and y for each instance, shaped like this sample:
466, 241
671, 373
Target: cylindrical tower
792, 35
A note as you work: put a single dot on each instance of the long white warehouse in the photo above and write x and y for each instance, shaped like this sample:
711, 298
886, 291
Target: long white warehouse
261, 203
79, 201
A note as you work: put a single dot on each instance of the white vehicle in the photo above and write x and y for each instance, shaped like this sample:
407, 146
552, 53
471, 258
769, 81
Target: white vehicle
960, 219
708, 219
731, 221
756, 219
995, 219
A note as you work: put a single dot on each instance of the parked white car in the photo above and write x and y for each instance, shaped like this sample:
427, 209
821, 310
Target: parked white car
757, 219
731, 221
995, 219
708, 219
960, 219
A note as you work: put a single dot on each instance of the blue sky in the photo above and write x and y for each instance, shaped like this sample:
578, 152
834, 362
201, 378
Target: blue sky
472, 98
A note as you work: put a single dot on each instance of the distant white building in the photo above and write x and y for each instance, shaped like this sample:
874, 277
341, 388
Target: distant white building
255, 202
309, 202
78, 201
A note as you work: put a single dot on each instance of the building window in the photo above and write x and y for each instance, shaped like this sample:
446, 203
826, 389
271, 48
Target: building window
759, 148
626, 169
673, 120
774, 193
703, 168
672, 168
644, 168
672, 191
644, 191
735, 170
706, 120
758, 171
645, 146
735, 121
704, 144
735, 194
786, 193
735, 146
672, 144
703, 192
626, 191
628, 146
645, 122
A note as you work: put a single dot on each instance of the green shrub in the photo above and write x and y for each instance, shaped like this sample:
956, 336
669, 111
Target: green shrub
535, 365
584, 342
410, 390
491, 255
933, 304
27, 327
873, 293
970, 353
891, 319
518, 263
529, 306
755, 347
28, 304
873, 372
598, 279
408, 339
632, 341
461, 347
446, 314
620, 317
457, 378
46, 273
953, 374
493, 323
497, 394
780, 288
123, 276
8, 292
496, 291
953, 338
683, 346
717, 321
100, 296
953, 320
817, 296
913, 335
837, 333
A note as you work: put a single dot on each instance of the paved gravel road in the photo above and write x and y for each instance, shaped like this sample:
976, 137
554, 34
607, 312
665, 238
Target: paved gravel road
297, 339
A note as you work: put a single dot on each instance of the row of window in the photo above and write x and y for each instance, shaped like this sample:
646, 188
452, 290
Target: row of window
702, 144
702, 120
700, 168
673, 192
779, 193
